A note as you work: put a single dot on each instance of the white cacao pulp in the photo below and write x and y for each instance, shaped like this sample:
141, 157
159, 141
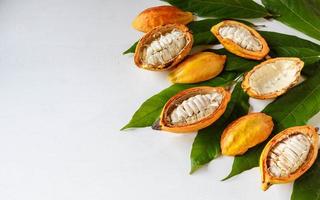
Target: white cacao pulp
273, 77
241, 36
165, 48
195, 108
288, 155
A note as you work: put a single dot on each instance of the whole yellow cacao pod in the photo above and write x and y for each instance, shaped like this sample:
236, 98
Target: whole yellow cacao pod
198, 67
245, 132
160, 15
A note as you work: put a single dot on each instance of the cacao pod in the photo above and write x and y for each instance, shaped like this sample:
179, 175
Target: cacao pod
193, 109
288, 155
160, 15
245, 132
163, 47
241, 39
198, 67
272, 78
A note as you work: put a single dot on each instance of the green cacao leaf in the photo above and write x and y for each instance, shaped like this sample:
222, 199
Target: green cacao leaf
206, 145
311, 70
303, 15
222, 8
150, 110
294, 108
292, 46
307, 187
201, 31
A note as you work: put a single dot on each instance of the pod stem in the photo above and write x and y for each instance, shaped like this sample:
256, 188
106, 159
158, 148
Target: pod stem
156, 125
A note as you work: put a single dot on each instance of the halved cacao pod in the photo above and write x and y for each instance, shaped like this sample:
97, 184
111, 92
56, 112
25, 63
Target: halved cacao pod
193, 109
160, 15
241, 39
198, 67
245, 132
272, 78
163, 47
288, 155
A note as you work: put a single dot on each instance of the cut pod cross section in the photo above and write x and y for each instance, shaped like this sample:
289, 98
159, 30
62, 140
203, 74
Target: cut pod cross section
241, 36
193, 109
272, 78
241, 39
288, 155
163, 47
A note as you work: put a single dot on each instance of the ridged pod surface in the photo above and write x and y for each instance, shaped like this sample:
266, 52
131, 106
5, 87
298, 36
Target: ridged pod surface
193, 109
160, 15
241, 39
198, 67
245, 132
288, 155
163, 47
273, 77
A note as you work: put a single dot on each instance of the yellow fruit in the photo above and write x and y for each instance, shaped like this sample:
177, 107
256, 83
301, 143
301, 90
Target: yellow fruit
160, 15
193, 109
288, 155
198, 67
241, 39
245, 132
